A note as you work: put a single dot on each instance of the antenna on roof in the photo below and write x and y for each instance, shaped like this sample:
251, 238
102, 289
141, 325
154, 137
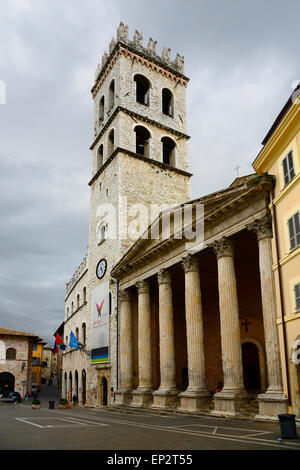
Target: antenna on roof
237, 170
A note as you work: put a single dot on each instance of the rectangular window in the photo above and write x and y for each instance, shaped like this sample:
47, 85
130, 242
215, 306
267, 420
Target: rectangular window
297, 296
288, 168
294, 230
36, 361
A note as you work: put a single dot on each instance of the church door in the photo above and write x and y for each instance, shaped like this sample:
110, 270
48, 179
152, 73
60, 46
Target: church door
104, 391
251, 366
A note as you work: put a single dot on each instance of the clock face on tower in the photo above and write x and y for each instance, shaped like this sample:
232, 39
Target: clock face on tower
101, 268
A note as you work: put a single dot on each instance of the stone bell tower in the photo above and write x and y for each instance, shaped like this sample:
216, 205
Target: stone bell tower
140, 156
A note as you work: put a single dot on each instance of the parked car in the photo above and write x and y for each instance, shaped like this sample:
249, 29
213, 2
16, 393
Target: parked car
11, 397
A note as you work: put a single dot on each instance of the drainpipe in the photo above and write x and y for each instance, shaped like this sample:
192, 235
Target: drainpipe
281, 298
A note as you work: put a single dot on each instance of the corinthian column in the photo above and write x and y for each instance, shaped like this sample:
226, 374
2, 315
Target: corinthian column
123, 395
166, 395
196, 394
143, 395
229, 400
273, 402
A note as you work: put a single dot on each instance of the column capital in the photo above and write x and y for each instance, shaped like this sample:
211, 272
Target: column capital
124, 295
223, 247
262, 227
143, 287
189, 263
164, 277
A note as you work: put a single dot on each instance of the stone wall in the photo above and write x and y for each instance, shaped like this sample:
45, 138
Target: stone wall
19, 367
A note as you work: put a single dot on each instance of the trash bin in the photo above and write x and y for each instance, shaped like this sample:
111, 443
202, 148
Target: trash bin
288, 426
51, 405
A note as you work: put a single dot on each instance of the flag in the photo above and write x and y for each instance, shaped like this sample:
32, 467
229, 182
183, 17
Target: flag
55, 348
73, 341
59, 342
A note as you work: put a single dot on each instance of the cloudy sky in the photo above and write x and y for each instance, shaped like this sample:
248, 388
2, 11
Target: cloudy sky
242, 58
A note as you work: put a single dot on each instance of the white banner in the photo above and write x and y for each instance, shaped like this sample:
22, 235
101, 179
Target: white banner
100, 323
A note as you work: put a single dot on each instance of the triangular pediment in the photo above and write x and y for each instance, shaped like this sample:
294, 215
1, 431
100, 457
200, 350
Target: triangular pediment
147, 246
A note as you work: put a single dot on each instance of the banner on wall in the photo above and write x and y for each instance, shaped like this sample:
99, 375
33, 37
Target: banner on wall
100, 324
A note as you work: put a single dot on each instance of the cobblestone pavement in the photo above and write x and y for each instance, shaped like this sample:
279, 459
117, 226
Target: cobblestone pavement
21, 427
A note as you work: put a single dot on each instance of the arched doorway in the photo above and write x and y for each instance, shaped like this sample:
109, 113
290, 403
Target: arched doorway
70, 396
251, 366
104, 391
7, 382
76, 385
66, 386
83, 377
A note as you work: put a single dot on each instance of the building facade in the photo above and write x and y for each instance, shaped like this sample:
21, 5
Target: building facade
16, 350
139, 157
196, 314
280, 157
48, 364
37, 357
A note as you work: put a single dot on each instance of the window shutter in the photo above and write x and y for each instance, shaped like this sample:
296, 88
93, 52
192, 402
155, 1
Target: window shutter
297, 228
285, 171
291, 165
292, 233
297, 296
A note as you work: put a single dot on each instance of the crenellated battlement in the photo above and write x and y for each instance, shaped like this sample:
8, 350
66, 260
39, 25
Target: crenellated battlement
136, 44
76, 276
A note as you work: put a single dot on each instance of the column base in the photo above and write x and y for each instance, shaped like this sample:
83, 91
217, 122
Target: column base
228, 403
270, 405
193, 400
165, 399
142, 397
123, 396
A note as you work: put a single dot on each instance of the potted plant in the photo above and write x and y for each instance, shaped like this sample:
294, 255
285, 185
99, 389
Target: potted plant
36, 404
62, 403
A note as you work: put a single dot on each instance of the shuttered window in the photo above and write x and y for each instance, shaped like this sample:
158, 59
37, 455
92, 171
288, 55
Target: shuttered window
297, 296
288, 168
294, 230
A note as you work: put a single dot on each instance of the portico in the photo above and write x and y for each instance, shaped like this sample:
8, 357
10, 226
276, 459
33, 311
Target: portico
187, 309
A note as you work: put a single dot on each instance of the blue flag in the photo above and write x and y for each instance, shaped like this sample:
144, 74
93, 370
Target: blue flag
73, 341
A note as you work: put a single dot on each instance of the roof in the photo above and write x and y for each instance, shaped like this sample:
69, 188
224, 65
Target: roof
281, 115
7, 331
216, 203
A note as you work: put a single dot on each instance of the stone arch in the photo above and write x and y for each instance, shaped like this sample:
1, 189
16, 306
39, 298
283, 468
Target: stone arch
142, 141
101, 108
83, 329
167, 102
262, 360
76, 388
11, 354
7, 382
168, 151
66, 385
142, 91
70, 388
100, 157
111, 94
111, 142
83, 386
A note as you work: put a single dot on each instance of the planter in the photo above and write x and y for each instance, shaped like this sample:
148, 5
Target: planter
36, 407
62, 407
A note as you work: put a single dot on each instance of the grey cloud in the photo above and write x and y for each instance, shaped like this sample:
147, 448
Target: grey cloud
241, 58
